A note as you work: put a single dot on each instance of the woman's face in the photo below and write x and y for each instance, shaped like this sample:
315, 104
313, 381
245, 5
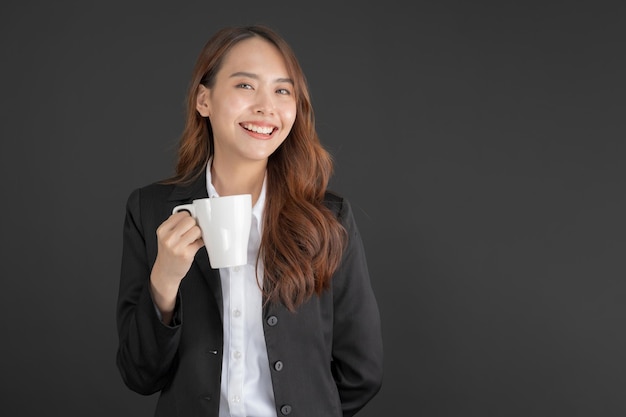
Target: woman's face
252, 103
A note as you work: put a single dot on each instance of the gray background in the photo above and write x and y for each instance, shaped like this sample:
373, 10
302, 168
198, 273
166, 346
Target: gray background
481, 144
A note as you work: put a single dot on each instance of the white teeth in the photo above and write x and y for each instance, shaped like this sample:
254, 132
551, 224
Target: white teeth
259, 129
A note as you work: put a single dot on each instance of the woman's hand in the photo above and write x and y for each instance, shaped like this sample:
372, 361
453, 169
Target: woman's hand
179, 238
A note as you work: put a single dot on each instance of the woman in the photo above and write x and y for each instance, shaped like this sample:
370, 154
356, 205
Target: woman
297, 330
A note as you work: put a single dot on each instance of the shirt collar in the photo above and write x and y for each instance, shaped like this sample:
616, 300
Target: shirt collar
257, 209
209, 183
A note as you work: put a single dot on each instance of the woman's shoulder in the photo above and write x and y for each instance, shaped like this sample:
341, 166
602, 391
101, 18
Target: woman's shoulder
337, 203
151, 197
157, 190
165, 194
332, 198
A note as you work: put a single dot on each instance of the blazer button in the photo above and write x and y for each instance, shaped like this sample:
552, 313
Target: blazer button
278, 365
272, 320
285, 409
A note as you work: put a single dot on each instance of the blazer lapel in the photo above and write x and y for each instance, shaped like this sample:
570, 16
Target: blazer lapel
185, 194
212, 277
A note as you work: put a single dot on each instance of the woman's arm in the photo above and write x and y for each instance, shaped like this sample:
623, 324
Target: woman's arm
147, 347
357, 336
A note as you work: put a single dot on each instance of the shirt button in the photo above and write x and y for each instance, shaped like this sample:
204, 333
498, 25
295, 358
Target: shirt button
272, 320
236, 312
285, 409
278, 366
237, 269
236, 399
237, 354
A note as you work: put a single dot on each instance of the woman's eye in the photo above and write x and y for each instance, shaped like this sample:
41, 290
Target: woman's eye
244, 85
283, 91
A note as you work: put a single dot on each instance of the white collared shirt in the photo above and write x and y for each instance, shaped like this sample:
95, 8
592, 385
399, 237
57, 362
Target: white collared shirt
246, 380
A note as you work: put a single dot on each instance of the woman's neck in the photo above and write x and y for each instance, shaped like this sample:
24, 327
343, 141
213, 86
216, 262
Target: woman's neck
243, 178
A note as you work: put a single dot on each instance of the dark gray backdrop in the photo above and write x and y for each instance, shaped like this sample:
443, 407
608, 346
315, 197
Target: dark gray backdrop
481, 144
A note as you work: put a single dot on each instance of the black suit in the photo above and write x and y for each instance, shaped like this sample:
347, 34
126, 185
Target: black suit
325, 359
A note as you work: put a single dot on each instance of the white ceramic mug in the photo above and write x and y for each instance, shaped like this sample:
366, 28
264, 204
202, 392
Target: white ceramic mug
225, 224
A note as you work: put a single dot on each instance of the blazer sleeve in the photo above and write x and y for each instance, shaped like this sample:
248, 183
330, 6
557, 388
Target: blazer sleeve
357, 338
147, 348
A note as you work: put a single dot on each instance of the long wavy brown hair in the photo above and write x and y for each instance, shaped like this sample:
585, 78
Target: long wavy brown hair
302, 242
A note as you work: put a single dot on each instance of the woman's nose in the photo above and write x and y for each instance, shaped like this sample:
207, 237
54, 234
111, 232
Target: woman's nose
264, 103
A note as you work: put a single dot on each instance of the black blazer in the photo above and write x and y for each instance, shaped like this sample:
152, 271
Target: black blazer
325, 359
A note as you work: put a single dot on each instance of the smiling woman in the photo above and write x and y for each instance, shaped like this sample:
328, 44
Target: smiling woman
294, 330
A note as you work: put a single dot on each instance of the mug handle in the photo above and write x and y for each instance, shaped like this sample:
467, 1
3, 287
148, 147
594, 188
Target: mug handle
185, 207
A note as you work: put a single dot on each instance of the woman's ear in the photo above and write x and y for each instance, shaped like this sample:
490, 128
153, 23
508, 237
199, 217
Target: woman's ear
202, 101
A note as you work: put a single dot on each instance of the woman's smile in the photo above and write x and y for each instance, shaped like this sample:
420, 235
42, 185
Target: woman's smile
259, 131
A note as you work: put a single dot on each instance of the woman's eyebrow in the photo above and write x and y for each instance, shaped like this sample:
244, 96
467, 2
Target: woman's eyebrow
256, 77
